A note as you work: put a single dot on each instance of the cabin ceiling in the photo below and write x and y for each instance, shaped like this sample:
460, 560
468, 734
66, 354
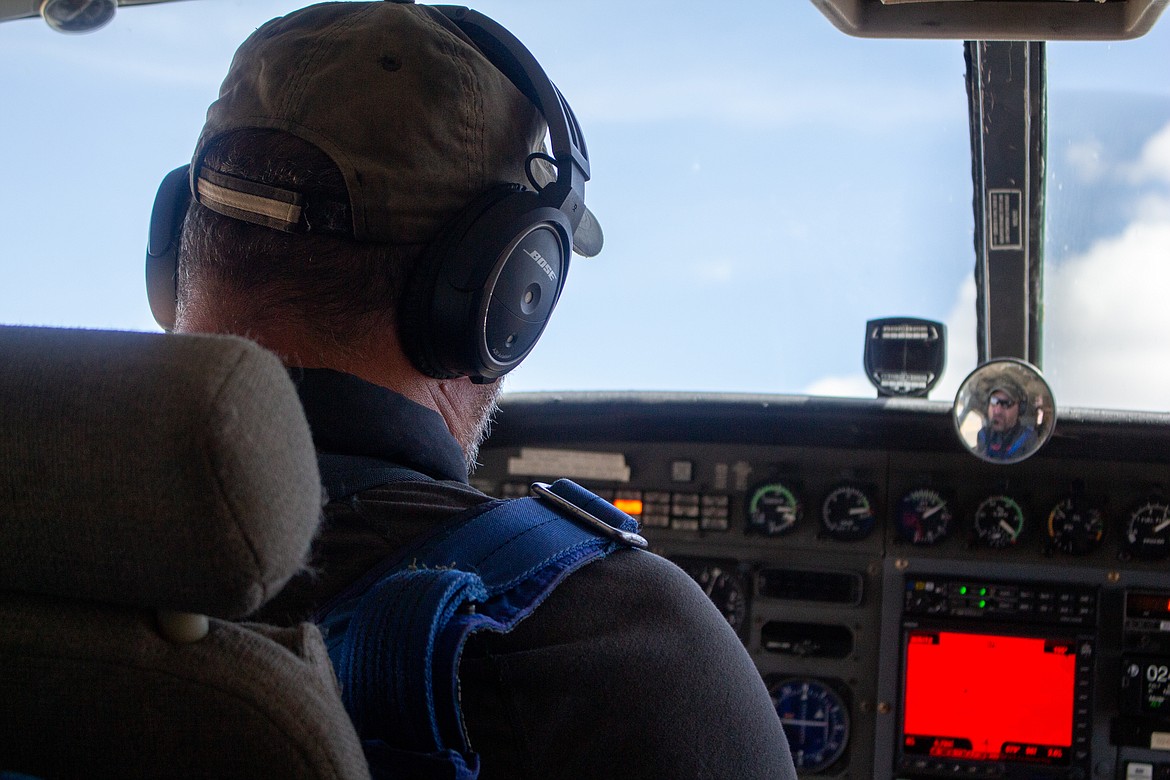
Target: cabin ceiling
962, 19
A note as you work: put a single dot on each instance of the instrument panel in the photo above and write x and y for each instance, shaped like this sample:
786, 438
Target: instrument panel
914, 611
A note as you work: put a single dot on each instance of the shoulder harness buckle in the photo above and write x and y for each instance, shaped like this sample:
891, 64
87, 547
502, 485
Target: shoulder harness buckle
566, 506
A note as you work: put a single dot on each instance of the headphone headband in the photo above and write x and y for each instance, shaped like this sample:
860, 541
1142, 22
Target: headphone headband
512, 58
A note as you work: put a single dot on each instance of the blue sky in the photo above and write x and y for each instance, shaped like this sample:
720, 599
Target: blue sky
766, 185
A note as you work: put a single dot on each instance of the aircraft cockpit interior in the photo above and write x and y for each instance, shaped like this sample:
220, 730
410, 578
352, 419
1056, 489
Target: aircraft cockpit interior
877, 350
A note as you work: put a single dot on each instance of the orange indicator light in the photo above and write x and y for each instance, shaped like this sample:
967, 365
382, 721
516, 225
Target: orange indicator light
631, 506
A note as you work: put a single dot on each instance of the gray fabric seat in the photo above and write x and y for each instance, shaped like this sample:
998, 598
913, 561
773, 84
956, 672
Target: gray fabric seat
153, 491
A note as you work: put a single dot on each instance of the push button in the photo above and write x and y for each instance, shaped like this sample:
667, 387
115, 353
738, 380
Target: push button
1139, 771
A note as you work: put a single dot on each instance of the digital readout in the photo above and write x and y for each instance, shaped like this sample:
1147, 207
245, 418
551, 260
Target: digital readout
1145, 686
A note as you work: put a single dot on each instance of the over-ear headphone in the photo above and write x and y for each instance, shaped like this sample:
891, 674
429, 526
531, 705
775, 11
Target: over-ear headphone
162, 245
483, 291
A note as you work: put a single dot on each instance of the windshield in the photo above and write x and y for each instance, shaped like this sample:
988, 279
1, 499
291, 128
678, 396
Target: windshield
766, 185
1108, 238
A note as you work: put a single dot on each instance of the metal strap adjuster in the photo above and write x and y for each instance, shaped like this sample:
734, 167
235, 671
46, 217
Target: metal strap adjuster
542, 491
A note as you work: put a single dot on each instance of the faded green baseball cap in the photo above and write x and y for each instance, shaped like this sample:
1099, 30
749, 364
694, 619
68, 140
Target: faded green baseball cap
415, 116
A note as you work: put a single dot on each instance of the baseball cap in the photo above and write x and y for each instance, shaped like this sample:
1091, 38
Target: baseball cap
1010, 391
417, 119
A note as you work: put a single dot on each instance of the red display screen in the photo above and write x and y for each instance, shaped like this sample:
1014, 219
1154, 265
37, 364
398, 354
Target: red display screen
989, 697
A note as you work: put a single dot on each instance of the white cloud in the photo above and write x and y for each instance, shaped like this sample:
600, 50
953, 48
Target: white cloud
1084, 158
1154, 163
1107, 311
849, 386
1108, 319
962, 346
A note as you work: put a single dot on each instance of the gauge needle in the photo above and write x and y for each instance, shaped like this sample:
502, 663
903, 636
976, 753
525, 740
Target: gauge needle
814, 723
1161, 526
860, 510
1005, 525
928, 512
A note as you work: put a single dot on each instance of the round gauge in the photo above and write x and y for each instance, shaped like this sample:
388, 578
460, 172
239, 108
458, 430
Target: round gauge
815, 721
923, 517
773, 510
999, 521
723, 584
847, 513
1075, 526
1147, 532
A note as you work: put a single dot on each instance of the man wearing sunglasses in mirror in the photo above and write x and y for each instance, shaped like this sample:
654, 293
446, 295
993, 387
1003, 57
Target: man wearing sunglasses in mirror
1006, 435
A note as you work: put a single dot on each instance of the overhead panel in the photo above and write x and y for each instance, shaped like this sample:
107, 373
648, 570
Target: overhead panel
994, 20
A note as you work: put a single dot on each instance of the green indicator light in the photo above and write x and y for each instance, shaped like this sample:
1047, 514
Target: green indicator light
963, 590
983, 591
982, 603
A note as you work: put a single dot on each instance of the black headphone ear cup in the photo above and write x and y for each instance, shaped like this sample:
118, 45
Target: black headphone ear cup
162, 245
416, 304
483, 291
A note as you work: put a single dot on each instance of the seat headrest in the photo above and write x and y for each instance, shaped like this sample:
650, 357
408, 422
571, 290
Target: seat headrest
151, 470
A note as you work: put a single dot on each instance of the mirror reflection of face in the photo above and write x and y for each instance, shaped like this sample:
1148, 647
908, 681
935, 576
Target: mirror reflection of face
1003, 412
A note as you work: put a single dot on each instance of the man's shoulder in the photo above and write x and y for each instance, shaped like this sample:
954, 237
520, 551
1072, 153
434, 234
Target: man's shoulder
625, 628
628, 586
628, 644
628, 589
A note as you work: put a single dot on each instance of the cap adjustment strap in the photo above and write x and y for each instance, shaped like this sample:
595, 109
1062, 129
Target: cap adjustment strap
272, 207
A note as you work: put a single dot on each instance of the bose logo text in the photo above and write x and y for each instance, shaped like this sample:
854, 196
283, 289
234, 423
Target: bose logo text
542, 263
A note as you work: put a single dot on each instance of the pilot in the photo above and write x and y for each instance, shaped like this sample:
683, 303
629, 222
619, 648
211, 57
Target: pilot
384, 121
1005, 434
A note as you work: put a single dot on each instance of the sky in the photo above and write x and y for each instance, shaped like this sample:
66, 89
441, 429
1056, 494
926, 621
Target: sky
766, 185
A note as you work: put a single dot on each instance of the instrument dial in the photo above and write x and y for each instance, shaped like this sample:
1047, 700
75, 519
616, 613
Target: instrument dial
815, 720
1075, 526
723, 584
1147, 532
773, 509
999, 521
847, 513
924, 517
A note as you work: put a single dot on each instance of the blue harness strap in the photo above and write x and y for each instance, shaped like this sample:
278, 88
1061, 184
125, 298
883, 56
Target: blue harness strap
395, 638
